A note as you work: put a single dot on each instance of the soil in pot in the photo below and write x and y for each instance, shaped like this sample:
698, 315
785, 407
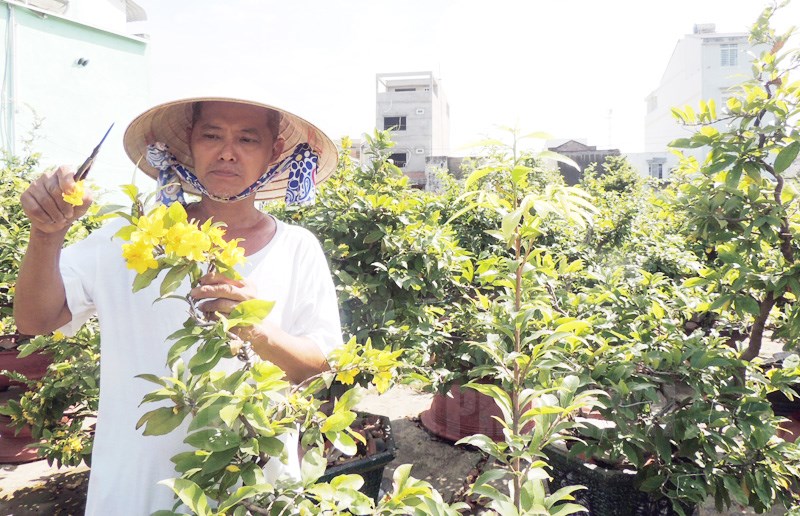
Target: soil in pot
370, 459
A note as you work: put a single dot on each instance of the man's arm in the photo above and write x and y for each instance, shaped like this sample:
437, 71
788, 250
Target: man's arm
40, 302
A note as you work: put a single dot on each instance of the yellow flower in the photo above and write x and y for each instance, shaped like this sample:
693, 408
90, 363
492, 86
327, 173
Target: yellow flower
381, 381
150, 228
176, 212
230, 254
74, 196
58, 336
187, 241
139, 256
347, 376
216, 234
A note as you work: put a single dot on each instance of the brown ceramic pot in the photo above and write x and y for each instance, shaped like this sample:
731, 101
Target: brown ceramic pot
462, 413
33, 366
14, 446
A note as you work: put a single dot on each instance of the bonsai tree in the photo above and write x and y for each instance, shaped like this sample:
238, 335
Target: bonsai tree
740, 211
398, 267
687, 407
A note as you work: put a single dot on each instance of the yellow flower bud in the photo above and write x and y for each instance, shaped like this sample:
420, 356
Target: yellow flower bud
74, 196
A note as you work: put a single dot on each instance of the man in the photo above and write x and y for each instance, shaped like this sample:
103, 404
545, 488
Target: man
231, 152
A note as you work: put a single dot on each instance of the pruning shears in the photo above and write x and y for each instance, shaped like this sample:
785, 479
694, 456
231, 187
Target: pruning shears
83, 170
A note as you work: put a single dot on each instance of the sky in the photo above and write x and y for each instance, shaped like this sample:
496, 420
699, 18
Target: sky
577, 69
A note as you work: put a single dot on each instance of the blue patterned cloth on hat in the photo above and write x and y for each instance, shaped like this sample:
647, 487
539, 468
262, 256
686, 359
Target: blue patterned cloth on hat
301, 164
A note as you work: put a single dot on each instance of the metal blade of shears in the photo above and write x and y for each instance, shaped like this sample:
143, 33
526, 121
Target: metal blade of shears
83, 170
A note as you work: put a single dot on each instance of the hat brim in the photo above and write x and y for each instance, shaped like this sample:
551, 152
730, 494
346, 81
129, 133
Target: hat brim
169, 123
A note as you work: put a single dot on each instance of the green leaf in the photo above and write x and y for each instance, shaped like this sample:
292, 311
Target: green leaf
230, 412
161, 420
748, 305
652, 484
173, 279
243, 493
482, 442
144, 279
786, 156
694, 282
478, 175
252, 311
374, 236
214, 439
343, 442
547, 154
190, 493
338, 421
313, 466
218, 460
735, 490
576, 326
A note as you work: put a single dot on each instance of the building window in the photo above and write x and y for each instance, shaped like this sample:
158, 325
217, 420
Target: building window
399, 159
395, 123
729, 54
405, 89
657, 170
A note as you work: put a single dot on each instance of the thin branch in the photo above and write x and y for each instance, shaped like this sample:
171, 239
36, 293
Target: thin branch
757, 331
263, 458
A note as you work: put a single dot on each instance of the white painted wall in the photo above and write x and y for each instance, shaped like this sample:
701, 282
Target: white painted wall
694, 73
75, 104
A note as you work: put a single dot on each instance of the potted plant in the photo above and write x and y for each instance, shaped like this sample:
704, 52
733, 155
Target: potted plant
44, 377
687, 412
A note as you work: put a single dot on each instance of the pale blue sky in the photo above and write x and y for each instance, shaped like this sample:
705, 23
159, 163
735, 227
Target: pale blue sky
555, 66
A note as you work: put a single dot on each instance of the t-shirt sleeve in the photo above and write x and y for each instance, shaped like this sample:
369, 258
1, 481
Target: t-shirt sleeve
316, 314
78, 267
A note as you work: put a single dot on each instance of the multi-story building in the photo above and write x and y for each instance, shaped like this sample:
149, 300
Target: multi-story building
69, 70
705, 65
414, 107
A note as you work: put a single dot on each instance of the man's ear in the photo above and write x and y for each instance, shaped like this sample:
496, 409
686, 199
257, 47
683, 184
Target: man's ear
277, 148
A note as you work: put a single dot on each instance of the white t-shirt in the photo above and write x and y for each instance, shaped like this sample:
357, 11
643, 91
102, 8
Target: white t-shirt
127, 466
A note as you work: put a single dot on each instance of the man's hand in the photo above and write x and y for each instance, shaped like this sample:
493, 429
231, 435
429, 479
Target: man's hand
43, 202
221, 294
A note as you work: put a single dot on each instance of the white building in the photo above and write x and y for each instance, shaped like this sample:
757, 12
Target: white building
704, 65
414, 107
70, 69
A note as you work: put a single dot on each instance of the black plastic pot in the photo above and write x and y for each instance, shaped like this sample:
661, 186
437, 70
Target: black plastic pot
782, 405
608, 492
371, 467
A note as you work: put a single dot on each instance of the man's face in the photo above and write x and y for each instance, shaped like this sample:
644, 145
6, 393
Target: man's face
232, 145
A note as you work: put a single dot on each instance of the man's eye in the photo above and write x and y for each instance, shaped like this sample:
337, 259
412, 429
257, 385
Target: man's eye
211, 136
248, 140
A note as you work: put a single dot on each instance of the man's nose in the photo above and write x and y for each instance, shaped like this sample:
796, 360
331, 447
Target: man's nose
227, 152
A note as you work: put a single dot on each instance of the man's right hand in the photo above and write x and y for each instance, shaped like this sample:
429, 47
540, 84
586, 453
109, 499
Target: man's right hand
45, 206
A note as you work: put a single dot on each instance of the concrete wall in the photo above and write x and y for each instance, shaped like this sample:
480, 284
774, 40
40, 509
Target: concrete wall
75, 104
